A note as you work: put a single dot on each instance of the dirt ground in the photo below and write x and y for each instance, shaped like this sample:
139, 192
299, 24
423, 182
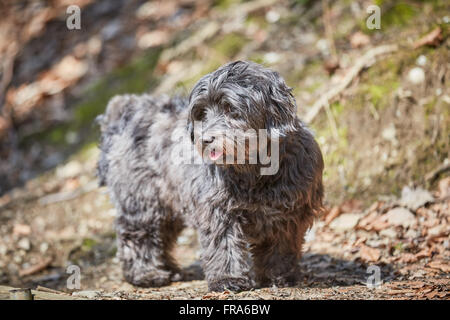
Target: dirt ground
64, 219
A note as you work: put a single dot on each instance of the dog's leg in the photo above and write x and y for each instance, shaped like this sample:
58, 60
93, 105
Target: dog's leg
144, 242
225, 256
277, 257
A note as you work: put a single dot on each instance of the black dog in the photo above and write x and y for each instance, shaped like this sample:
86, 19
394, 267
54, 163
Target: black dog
251, 225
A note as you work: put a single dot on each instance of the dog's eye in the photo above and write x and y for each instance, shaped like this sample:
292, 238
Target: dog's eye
198, 114
227, 108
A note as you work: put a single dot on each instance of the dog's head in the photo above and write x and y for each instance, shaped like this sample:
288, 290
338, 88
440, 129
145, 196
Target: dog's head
232, 106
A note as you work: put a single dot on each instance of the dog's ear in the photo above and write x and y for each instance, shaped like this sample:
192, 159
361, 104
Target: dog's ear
281, 104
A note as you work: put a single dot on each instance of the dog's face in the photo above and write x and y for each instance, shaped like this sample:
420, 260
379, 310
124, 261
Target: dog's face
229, 107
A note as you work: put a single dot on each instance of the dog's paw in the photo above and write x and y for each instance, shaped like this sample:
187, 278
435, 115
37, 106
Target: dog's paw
146, 279
285, 281
232, 284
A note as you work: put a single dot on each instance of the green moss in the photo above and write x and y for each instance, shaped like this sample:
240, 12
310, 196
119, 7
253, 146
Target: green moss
224, 4
230, 44
88, 244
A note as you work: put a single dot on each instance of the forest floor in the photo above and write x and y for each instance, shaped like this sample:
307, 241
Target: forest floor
385, 137
399, 245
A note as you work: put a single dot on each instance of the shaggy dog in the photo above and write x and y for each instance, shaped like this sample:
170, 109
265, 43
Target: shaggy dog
250, 225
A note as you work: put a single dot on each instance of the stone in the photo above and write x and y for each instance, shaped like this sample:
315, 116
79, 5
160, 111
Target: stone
24, 244
400, 217
346, 221
416, 75
90, 294
413, 199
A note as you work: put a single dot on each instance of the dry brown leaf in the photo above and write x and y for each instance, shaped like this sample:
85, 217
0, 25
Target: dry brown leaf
352, 205
21, 229
332, 214
439, 265
432, 39
366, 222
359, 40
369, 254
408, 258
444, 187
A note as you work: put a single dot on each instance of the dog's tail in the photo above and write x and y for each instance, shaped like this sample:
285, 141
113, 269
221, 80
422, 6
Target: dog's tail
116, 108
111, 123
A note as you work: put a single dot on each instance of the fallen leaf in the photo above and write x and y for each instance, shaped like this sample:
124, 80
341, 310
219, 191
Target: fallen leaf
439, 265
444, 187
352, 205
432, 39
369, 254
21, 229
332, 214
359, 40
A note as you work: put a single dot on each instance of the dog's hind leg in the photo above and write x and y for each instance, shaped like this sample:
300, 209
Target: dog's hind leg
145, 241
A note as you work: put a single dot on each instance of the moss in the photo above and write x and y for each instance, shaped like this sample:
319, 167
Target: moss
230, 44
224, 4
88, 244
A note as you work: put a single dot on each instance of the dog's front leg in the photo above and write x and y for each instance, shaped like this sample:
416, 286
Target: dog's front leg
225, 256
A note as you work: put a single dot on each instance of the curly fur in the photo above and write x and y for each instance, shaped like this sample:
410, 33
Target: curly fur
251, 227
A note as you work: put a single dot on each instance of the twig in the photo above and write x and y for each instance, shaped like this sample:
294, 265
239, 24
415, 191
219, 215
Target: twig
44, 289
363, 62
329, 29
431, 176
68, 195
212, 28
36, 268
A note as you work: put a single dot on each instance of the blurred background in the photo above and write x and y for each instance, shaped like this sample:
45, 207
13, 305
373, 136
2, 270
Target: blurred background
378, 101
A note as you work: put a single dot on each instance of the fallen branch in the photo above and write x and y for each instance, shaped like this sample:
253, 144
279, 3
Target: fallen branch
431, 176
36, 268
212, 28
68, 195
365, 61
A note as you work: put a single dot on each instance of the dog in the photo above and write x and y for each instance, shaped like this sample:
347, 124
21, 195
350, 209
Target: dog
250, 225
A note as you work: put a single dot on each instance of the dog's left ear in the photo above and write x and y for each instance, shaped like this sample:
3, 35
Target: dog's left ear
281, 104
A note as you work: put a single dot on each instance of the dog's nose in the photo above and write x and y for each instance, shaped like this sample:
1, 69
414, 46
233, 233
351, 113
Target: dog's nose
207, 139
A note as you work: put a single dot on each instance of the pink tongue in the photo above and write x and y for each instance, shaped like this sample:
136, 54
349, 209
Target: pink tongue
214, 155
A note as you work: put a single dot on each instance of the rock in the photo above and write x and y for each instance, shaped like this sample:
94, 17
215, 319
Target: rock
346, 221
70, 170
43, 247
416, 75
3, 249
421, 60
24, 244
400, 217
436, 231
415, 198
90, 294
272, 16
389, 233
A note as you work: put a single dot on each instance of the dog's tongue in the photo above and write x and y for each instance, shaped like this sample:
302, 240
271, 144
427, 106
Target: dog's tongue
214, 155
